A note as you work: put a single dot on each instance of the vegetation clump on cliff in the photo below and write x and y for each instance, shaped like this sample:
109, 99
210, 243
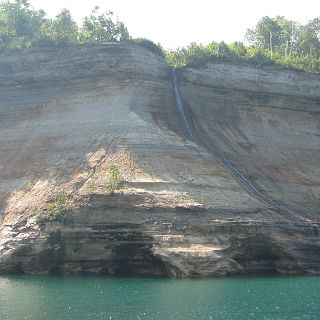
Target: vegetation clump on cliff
54, 210
271, 41
155, 48
22, 26
115, 181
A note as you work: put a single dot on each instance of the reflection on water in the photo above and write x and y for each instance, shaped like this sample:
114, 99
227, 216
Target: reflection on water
130, 298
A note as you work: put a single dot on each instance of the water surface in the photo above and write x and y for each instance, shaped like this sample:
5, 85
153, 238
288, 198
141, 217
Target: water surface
58, 298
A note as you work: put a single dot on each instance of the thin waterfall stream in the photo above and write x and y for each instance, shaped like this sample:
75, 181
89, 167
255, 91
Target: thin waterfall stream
239, 177
181, 109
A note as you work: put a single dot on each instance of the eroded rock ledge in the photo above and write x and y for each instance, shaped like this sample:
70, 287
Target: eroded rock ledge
66, 114
174, 242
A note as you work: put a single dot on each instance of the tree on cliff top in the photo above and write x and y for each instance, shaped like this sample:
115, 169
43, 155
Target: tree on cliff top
18, 23
60, 30
21, 26
103, 27
285, 37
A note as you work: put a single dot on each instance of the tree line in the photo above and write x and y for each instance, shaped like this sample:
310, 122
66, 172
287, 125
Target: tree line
272, 40
22, 26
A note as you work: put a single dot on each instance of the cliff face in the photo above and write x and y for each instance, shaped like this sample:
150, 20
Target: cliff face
266, 123
241, 195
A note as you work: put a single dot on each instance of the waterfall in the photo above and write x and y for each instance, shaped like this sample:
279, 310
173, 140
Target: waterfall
238, 175
181, 109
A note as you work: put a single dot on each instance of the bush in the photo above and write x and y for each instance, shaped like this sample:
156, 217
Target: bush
149, 45
91, 185
54, 210
115, 178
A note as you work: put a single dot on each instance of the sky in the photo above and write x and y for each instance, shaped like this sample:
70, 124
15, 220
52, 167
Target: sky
176, 23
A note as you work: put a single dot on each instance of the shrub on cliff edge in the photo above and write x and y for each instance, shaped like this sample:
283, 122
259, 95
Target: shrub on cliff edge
54, 210
115, 181
149, 45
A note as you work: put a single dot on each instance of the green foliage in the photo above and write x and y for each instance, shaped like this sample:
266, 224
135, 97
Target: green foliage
103, 27
308, 43
115, 181
91, 185
238, 49
267, 34
21, 26
196, 55
286, 38
54, 210
272, 41
204, 200
155, 48
258, 55
59, 31
18, 24
193, 55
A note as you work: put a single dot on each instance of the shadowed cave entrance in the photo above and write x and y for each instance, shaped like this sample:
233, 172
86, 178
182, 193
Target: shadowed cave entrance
132, 259
109, 249
260, 255
131, 252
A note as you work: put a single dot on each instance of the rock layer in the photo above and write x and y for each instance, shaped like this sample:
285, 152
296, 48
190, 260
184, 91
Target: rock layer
65, 114
266, 123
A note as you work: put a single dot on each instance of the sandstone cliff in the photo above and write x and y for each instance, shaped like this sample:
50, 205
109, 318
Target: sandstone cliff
221, 166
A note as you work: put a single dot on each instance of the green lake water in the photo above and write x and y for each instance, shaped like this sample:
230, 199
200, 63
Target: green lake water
242, 298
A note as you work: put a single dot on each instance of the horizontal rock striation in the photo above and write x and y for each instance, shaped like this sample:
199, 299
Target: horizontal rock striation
185, 210
265, 122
